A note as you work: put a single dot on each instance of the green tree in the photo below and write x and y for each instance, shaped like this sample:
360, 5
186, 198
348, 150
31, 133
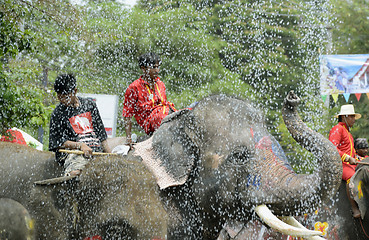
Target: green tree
270, 46
21, 105
64, 39
350, 36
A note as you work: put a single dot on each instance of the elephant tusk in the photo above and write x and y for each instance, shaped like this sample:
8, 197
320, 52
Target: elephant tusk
292, 221
272, 221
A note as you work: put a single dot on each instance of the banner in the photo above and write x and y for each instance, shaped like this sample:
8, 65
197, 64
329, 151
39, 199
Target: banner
344, 74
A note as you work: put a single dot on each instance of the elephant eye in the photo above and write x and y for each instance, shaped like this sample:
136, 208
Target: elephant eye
240, 155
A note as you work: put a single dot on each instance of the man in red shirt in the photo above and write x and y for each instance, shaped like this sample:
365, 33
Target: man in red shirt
145, 98
341, 137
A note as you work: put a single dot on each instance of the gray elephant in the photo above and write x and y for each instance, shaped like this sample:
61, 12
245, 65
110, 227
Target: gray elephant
213, 164
115, 197
335, 217
221, 163
15, 221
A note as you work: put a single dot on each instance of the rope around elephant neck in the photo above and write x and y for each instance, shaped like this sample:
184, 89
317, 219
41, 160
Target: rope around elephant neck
362, 227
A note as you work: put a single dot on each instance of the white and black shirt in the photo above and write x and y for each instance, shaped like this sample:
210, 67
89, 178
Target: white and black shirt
80, 124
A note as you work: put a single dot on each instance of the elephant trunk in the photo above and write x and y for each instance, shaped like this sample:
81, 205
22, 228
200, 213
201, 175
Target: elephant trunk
325, 182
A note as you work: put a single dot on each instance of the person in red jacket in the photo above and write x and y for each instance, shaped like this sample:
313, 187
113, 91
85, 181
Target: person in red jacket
341, 137
145, 98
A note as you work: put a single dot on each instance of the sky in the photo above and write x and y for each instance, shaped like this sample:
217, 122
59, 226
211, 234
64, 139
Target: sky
128, 2
351, 63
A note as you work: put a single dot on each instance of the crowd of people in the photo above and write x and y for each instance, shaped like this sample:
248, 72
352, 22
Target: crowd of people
77, 125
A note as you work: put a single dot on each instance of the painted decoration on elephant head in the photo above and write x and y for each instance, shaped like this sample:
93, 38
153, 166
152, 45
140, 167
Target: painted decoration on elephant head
267, 143
360, 190
322, 227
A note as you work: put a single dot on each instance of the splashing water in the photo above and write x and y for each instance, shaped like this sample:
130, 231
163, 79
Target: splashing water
259, 50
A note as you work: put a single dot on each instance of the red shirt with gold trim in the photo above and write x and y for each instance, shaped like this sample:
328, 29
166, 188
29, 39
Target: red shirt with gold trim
341, 137
140, 101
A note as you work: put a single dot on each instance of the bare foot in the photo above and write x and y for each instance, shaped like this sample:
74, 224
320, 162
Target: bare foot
75, 173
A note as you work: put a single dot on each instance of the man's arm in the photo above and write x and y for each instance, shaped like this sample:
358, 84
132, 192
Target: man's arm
335, 138
128, 128
106, 146
78, 146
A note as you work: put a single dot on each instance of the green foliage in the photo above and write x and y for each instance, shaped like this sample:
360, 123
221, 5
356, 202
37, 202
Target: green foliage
257, 50
361, 126
270, 45
21, 106
189, 60
350, 34
13, 39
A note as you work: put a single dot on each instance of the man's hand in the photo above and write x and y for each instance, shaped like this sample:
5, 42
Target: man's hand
350, 160
128, 129
87, 151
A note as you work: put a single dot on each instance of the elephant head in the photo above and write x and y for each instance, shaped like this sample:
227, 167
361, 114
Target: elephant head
115, 197
221, 163
359, 185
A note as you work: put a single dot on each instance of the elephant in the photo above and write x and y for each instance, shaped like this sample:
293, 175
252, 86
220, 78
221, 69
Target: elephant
222, 164
335, 217
115, 198
20, 226
202, 168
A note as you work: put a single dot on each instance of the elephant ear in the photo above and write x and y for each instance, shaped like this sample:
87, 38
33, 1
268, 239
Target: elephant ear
359, 185
174, 150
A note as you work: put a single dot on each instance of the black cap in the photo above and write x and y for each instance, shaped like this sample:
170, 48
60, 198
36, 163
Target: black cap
361, 143
65, 83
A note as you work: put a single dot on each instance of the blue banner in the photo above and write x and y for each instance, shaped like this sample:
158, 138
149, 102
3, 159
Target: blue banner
344, 74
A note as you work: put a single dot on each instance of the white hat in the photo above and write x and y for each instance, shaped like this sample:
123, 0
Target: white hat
348, 109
